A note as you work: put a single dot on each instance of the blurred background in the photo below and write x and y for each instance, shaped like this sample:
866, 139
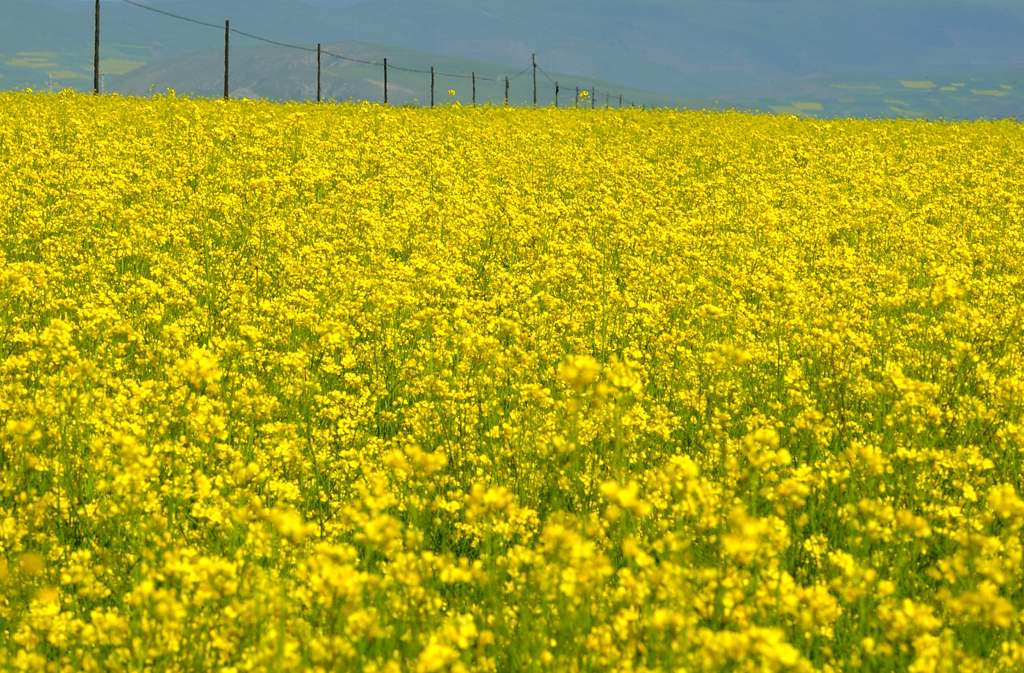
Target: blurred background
954, 59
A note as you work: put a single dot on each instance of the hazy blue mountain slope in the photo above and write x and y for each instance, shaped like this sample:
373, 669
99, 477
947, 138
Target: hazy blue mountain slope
760, 53
286, 75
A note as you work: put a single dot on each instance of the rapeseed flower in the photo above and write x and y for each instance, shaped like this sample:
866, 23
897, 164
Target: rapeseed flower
293, 387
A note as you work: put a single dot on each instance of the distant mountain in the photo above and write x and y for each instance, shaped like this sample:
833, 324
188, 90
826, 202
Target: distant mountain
939, 58
279, 74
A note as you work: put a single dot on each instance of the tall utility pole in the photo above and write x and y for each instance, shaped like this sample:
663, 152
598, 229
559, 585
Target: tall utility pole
577, 96
227, 58
556, 94
506, 90
317, 72
96, 54
473, 75
432, 80
593, 97
620, 100
385, 80
533, 58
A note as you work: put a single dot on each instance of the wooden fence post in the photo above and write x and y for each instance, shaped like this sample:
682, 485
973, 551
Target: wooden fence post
506, 90
432, 80
533, 59
96, 54
556, 94
227, 58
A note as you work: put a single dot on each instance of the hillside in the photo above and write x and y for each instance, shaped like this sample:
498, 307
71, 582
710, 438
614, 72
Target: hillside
826, 58
282, 74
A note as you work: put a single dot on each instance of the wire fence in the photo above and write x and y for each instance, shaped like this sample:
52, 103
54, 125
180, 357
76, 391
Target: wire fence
582, 95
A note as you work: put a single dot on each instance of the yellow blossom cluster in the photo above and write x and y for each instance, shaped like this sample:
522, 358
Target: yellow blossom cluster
353, 388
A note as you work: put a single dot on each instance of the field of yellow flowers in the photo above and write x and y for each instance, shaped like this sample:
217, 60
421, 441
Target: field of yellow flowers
354, 388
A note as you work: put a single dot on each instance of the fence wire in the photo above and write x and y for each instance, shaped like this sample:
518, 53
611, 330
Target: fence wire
344, 57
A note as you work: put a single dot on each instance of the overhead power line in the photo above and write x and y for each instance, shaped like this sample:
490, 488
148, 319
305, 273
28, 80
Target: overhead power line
172, 14
354, 59
557, 84
520, 73
405, 69
318, 50
274, 42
